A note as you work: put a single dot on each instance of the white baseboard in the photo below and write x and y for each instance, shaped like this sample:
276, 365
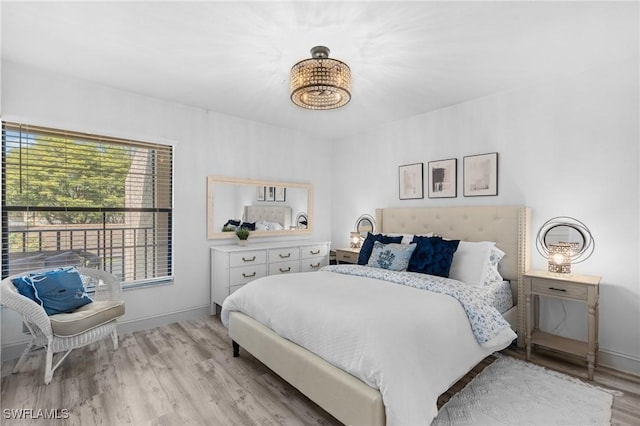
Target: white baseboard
619, 361
14, 349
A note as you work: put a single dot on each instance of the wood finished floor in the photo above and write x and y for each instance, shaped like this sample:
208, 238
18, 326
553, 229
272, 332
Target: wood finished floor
184, 374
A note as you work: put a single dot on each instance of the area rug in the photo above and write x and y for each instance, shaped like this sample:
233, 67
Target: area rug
513, 392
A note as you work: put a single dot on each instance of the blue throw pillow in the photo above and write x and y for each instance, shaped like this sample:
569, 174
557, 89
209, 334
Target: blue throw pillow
393, 256
59, 290
367, 245
432, 256
25, 288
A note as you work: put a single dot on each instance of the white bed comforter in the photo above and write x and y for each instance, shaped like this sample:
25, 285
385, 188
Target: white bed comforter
409, 343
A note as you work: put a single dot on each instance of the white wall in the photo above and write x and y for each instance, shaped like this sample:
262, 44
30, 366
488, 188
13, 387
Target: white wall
206, 143
566, 147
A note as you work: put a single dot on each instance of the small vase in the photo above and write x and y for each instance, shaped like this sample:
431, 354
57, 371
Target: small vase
243, 243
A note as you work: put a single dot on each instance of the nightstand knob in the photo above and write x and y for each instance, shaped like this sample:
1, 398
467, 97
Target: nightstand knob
558, 289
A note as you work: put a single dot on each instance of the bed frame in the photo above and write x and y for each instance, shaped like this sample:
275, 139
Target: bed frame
277, 214
347, 398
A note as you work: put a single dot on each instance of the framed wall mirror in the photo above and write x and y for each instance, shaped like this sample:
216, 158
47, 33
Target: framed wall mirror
273, 207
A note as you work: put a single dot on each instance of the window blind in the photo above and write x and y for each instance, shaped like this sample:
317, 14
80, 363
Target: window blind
71, 198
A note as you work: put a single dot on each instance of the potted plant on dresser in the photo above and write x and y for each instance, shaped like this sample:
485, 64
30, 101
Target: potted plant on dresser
243, 236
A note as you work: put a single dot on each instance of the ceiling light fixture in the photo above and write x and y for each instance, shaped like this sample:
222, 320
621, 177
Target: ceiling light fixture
320, 82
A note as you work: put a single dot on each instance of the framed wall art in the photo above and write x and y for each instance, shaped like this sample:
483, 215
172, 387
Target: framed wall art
411, 181
481, 175
281, 193
260, 193
442, 178
271, 193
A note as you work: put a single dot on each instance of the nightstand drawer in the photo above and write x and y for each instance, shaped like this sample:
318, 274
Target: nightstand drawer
284, 267
344, 256
245, 274
284, 254
245, 258
559, 289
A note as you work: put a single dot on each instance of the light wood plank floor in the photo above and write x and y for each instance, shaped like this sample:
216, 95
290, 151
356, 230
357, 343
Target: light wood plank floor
184, 374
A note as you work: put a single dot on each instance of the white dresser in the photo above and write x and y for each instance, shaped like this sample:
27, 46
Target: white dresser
233, 266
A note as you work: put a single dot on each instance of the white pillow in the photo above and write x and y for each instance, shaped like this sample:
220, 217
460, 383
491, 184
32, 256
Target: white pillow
471, 262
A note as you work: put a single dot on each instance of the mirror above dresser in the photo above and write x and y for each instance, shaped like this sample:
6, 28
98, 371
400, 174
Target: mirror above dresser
275, 208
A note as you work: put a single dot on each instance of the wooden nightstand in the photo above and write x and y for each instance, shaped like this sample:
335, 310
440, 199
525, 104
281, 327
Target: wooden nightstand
584, 288
347, 255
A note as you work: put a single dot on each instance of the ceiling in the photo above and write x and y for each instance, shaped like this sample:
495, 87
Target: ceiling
234, 58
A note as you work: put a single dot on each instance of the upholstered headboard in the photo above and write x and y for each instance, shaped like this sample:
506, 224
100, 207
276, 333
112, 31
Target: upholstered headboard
508, 226
277, 214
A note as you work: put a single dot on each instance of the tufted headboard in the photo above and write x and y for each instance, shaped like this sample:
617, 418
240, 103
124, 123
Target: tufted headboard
508, 226
278, 214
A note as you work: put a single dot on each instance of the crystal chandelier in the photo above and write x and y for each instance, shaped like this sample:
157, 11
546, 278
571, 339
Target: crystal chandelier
320, 82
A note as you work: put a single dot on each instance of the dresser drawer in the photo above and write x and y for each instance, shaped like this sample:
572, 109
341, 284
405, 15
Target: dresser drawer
284, 254
559, 289
234, 288
313, 264
284, 267
319, 250
244, 274
245, 258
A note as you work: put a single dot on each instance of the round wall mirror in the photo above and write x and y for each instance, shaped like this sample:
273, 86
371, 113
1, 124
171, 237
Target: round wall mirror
566, 230
302, 221
365, 223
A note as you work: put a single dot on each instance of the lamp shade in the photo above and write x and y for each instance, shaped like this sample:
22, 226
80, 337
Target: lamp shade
320, 82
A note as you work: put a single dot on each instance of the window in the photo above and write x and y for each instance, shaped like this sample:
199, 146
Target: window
71, 198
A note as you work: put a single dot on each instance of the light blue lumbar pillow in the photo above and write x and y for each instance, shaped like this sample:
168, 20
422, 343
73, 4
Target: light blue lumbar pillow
59, 290
391, 256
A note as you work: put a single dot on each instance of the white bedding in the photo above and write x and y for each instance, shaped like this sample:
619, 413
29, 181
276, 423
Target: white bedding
409, 343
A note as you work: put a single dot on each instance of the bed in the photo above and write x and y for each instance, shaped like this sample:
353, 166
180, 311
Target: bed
342, 391
266, 217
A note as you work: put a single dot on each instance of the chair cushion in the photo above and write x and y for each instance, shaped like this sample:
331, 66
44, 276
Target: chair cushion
86, 317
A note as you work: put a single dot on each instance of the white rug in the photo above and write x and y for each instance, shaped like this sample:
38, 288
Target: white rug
513, 392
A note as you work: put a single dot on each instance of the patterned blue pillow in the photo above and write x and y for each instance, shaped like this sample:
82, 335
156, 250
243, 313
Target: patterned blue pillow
367, 245
432, 256
59, 290
391, 256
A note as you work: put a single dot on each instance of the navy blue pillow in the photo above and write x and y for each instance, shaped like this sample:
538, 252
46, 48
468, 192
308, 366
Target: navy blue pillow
367, 245
432, 256
60, 290
251, 226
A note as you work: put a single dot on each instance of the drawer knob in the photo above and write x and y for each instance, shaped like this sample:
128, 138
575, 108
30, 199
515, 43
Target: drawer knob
284, 256
248, 275
248, 260
317, 265
558, 289
314, 251
285, 270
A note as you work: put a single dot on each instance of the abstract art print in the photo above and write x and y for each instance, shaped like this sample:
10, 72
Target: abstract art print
271, 193
442, 179
411, 181
281, 193
481, 175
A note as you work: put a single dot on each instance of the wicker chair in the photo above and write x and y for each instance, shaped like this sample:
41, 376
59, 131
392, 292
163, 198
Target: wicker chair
65, 332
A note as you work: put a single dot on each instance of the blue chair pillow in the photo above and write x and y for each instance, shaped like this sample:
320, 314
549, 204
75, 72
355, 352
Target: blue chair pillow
58, 291
367, 245
25, 288
432, 256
